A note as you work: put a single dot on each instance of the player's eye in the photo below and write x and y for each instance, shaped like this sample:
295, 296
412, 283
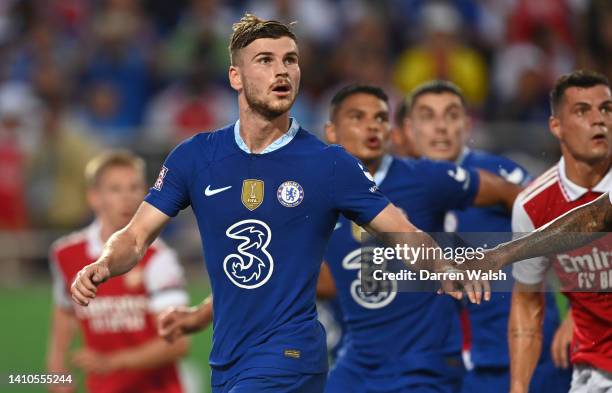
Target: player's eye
453, 115
605, 110
291, 60
426, 116
264, 60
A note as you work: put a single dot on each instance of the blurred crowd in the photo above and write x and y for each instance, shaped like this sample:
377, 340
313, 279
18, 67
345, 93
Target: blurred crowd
77, 76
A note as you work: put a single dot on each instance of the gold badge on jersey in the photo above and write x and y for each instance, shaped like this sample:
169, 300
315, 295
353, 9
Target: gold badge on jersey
252, 193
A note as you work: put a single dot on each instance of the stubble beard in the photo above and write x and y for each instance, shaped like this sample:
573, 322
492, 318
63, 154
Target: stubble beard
268, 110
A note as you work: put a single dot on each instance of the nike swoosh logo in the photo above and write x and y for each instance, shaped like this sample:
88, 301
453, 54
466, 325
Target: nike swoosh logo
338, 225
209, 192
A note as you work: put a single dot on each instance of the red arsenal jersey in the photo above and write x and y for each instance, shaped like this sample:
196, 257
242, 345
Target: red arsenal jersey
585, 274
123, 313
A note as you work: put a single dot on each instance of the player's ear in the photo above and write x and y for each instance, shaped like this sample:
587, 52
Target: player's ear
555, 126
234, 78
330, 132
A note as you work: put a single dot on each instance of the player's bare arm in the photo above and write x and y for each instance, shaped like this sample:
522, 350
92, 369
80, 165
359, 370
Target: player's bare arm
176, 322
525, 334
63, 330
121, 252
326, 287
495, 190
569, 231
392, 227
560, 347
150, 355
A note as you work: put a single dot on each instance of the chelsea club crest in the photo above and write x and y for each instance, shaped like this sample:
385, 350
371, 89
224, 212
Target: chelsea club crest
290, 194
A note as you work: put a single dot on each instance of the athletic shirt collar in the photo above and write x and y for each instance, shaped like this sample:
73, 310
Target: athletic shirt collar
573, 191
277, 144
383, 169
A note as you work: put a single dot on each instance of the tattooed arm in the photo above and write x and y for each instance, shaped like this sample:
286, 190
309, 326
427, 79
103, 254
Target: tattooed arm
569, 231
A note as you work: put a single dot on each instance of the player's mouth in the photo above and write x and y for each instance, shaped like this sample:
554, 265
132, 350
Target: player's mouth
441, 144
600, 137
282, 89
373, 142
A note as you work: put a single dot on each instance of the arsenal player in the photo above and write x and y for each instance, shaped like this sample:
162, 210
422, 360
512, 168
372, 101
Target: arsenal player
121, 350
582, 122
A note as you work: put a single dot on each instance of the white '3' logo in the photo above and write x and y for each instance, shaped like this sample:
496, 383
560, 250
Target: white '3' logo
368, 292
252, 266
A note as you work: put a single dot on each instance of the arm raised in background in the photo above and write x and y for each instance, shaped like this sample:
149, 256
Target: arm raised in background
121, 252
495, 190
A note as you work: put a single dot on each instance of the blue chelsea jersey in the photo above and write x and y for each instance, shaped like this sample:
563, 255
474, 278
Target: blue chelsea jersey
264, 221
390, 332
489, 320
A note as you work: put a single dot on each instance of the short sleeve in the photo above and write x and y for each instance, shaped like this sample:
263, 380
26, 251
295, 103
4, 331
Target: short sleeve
454, 187
610, 196
170, 193
61, 298
530, 271
353, 189
165, 281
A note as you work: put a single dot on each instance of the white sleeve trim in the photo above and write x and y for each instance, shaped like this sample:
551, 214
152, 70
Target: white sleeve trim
530, 271
60, 295
165, 281
169, 298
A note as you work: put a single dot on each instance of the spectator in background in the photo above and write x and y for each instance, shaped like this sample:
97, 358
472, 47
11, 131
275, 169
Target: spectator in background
201, 31
189, 106
121, 351
18, 135
118, 74
56, 170
442, 55
521, 84
598, 37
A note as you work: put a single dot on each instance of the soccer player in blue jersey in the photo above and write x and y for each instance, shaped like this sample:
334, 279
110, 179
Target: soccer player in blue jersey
436, 122
266, 195
397, 341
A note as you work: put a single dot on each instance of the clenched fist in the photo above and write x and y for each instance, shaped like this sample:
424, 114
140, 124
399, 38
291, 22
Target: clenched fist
86, 283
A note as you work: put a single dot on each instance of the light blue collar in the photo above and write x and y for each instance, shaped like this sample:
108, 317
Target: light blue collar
277, 144
382, 170
464, 152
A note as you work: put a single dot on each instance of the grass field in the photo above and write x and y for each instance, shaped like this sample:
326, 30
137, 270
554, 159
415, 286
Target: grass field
23, 338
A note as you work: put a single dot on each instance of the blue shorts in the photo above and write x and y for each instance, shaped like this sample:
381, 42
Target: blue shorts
546, 378
344, 379
267, 379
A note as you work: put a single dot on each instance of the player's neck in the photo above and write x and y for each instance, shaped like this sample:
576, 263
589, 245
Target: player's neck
373, 164
585, 174
258, 132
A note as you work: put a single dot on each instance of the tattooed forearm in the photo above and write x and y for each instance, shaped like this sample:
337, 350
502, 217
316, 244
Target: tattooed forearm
576, 228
